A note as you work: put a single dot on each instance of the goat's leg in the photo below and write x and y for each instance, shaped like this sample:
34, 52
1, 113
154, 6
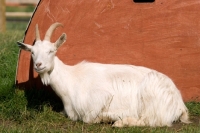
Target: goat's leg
70, 112
128, 122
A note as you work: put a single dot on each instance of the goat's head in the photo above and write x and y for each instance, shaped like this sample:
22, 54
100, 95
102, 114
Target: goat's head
43, 52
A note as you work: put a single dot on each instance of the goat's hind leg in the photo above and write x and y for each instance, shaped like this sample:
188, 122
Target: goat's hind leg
128, 122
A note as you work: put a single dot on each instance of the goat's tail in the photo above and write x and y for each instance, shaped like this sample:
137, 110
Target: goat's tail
185, 117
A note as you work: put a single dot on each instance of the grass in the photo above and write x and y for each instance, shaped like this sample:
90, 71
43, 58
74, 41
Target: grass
27, 8
23, 8
38, 110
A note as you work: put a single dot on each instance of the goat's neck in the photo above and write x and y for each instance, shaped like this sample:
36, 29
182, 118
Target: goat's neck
60, 76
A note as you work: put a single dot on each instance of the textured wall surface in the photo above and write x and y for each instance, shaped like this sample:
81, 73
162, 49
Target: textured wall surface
163, 35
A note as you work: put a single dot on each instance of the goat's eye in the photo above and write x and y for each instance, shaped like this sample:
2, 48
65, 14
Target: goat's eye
32, 53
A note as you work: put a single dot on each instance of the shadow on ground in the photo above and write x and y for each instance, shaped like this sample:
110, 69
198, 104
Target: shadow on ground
38, 97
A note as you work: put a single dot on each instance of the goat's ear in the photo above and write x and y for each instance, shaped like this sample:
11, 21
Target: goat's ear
24, 46
61, 40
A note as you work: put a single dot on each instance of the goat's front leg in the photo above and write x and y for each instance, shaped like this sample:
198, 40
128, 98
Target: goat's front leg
71, 113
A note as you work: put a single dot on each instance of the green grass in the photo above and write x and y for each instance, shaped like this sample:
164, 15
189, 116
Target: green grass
8, 58
28, 8
14, 19
38, 110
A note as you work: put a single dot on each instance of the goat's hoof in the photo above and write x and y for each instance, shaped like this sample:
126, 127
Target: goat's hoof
118, 123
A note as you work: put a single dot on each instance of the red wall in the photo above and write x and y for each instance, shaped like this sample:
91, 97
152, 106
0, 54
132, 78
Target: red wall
163, 35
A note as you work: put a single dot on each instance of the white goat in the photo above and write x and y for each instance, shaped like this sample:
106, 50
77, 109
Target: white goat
124, 94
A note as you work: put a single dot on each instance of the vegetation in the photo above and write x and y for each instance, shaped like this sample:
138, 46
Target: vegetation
37, 110
22, 8
27, 8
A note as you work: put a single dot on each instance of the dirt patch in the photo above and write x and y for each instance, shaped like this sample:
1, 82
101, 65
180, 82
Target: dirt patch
179, 125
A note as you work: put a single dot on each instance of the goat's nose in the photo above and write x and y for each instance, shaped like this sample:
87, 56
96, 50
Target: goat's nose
38, 64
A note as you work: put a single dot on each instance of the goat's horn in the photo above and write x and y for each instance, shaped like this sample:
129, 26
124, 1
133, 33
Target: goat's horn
51, 30
37, 33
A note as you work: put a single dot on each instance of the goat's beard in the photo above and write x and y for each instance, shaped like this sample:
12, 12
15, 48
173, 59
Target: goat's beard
45, 78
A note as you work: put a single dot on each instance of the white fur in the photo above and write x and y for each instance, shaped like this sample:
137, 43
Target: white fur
124, 94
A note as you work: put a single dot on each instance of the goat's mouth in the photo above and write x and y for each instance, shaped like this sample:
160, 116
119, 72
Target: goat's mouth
39, 70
